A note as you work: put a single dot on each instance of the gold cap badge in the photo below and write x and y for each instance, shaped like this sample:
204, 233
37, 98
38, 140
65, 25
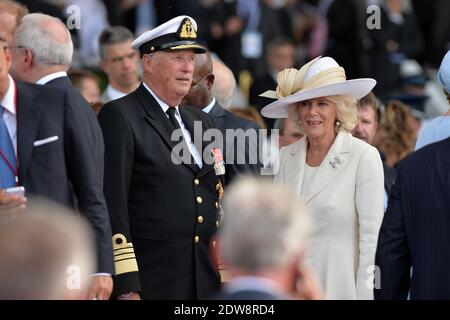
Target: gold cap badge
186, 30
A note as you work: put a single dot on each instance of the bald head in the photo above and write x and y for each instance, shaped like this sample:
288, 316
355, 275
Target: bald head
200, 93
224, 85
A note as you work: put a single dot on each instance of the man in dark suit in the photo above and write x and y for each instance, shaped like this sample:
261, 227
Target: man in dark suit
262, 241
414, 233
369, 116
41, 51
163, 203
237, 160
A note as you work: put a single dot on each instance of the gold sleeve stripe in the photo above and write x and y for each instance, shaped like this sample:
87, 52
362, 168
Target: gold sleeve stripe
122, 251
125, 266
124, 256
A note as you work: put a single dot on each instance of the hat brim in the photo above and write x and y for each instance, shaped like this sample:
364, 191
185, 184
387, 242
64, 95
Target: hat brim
195, 47
356, 88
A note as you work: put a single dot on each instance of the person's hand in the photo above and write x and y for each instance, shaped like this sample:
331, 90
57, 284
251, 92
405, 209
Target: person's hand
307, 286
10, 205
100, 288
129, 296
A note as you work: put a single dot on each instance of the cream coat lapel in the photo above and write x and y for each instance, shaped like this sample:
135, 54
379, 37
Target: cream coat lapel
335, 160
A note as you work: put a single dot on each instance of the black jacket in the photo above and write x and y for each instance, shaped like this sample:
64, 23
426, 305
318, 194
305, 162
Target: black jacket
163, 214
70, 166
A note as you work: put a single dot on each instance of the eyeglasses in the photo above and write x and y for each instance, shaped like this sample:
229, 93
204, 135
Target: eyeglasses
193, 85
15, 47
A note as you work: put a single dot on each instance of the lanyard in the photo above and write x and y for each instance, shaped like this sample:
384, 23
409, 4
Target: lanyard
15, 171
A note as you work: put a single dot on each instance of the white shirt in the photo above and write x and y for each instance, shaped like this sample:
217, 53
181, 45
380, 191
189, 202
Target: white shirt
309, 175
9, 116
208, 108
51, 76
187, 136
113, 93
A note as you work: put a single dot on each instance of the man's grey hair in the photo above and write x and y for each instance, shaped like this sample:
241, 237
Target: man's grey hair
113, 35
41, 249
35, 34
265, 226
224, 84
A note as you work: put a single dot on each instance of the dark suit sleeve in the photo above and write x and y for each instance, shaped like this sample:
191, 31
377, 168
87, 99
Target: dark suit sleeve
393, 257
119, 159
84, 151
251, 164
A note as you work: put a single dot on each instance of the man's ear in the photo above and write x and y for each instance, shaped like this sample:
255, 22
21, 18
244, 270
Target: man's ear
28, 59
210, 81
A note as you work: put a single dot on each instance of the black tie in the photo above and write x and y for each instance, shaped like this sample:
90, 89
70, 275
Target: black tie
171, 113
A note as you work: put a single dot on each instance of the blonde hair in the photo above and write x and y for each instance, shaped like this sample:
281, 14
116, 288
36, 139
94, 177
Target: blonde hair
396, 135
345, 108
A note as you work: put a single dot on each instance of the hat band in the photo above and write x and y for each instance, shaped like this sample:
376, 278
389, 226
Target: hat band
325, 77
174, 44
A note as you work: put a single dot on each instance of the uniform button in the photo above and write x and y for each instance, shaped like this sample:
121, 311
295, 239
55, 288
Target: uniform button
217, 223
199, 199
196, 239
214, 243
217, 205
196, 182
200, 219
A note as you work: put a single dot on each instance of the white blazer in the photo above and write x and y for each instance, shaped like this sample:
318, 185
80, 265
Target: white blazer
345, 198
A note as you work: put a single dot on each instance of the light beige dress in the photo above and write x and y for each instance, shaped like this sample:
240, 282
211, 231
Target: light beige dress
345, 197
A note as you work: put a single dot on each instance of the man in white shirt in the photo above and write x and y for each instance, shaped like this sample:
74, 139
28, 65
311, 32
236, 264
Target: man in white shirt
164, 212
119, 61
41, 53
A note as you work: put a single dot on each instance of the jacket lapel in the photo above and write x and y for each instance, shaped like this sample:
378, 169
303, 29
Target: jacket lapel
28, 116
335, 160
189, 121
156, 117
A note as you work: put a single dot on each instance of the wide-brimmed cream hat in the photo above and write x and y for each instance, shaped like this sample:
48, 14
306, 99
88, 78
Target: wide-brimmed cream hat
320, 77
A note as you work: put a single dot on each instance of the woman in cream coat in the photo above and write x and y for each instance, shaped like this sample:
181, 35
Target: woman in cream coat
339, 177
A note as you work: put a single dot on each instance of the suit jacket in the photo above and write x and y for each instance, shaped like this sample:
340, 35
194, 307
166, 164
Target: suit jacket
415, 228
163, 214
224, 120
70, 165
345, 197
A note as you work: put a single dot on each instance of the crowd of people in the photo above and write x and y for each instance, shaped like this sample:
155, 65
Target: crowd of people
185, 195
